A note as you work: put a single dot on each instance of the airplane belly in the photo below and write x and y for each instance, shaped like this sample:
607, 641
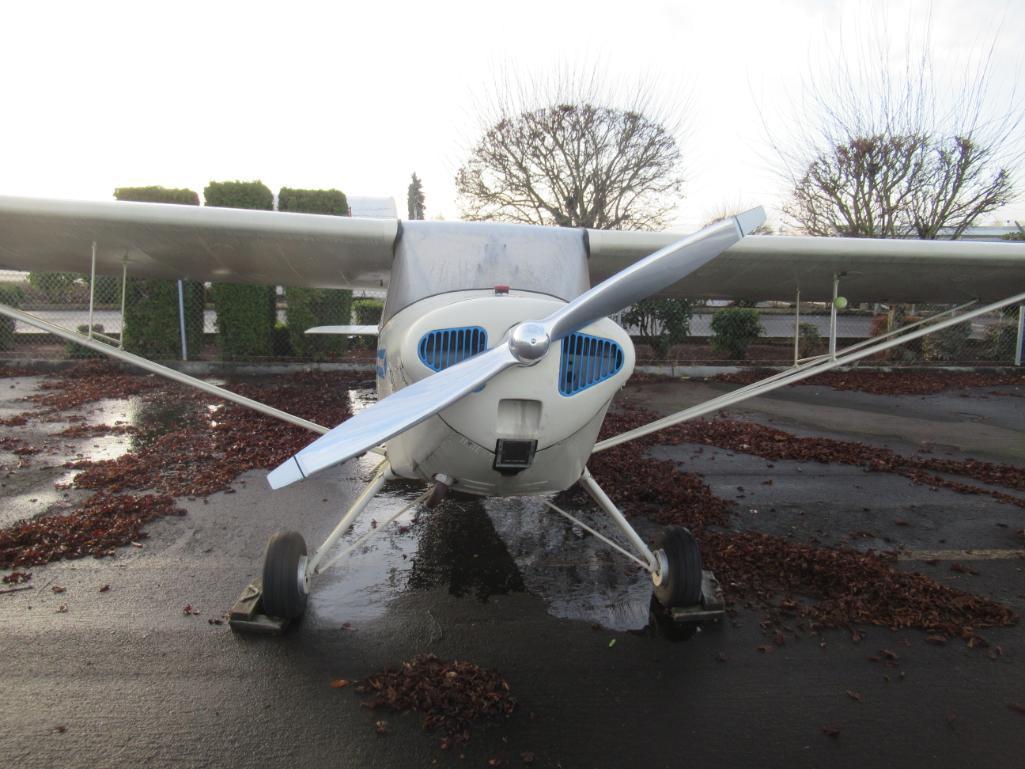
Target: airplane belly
433, 447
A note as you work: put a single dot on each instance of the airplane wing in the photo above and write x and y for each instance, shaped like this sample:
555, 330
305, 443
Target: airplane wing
872, 270
270, 247
197, 243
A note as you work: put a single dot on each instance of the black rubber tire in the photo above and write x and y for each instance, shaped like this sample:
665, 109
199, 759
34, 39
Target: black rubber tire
681, 585
284, 595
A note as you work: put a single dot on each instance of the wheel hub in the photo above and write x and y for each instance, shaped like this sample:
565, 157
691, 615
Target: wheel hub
304, 577
661, 567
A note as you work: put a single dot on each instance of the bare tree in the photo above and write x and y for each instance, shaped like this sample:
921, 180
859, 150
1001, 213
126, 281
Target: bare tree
878, 153
573, 161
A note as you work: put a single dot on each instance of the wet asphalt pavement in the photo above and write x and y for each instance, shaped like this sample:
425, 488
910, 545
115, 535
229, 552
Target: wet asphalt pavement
124, 678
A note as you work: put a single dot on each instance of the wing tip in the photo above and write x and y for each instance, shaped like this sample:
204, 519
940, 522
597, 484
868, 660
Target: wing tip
285, 474
750, 220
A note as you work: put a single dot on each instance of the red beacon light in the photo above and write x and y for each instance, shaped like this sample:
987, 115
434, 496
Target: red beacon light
501, 289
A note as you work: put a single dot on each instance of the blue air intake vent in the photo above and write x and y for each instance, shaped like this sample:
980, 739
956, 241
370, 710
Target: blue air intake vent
586, 361
446, 347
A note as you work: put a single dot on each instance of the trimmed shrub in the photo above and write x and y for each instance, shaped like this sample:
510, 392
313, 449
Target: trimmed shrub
246, 315
156, 194
152, 327
54, 286
245, 320
660, 322
313, 201
6, 333
733, 330
237, 194
367, 312
282, 343
309, 307
151, 324
12, 295
80, 352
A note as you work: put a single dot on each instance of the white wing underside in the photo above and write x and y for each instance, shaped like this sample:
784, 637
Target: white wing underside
231, 245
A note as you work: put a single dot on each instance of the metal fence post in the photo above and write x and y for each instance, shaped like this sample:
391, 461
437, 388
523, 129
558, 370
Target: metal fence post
1019, 350
797, 327
124, 294
181, 320
92, 290
832, 317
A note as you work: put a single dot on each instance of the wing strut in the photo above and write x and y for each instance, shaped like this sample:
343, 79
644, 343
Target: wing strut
156, 368
798, 373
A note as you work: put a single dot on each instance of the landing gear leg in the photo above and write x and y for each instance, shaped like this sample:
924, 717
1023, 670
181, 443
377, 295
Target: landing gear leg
684, 594
282, 594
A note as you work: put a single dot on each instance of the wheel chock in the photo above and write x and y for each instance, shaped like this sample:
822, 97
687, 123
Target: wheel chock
711, 608
247, 616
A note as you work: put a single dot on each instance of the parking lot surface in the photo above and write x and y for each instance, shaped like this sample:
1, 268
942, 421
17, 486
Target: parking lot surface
124, 677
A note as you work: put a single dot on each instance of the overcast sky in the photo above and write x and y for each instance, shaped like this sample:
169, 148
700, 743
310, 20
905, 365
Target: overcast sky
359, 95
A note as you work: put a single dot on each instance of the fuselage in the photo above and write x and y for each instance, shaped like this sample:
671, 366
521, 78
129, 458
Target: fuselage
530, 429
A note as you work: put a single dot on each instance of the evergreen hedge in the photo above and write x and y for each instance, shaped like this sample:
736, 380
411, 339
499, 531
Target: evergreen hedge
300, 201
367, 312
151, 325
10, 294
155, 194
245, 314
309, 307
237, 194
245, 319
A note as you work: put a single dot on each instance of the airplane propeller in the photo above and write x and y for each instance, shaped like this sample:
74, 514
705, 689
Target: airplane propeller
526, 344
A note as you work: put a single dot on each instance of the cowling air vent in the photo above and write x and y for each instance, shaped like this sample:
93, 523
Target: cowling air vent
586, 361
446, 347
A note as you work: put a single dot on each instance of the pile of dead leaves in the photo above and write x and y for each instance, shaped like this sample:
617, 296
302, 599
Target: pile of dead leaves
814, 586
88, 383
214, 443
97, 527
203, 451
894, 382
769, 443
451, 697
837, 587
94, 431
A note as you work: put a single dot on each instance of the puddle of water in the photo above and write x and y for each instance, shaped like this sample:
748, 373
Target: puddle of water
476, 548
578, 576
359, 586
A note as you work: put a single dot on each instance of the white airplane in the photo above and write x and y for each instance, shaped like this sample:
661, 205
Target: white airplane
496, 359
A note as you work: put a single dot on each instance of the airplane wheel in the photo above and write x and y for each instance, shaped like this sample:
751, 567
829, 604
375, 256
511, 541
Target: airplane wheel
284, 579
680, 581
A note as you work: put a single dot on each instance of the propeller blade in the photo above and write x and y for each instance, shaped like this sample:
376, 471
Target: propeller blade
395, 414
646, 277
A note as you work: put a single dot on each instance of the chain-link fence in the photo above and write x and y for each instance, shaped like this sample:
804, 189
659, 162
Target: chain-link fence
168, 320
775, 334
254, 323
